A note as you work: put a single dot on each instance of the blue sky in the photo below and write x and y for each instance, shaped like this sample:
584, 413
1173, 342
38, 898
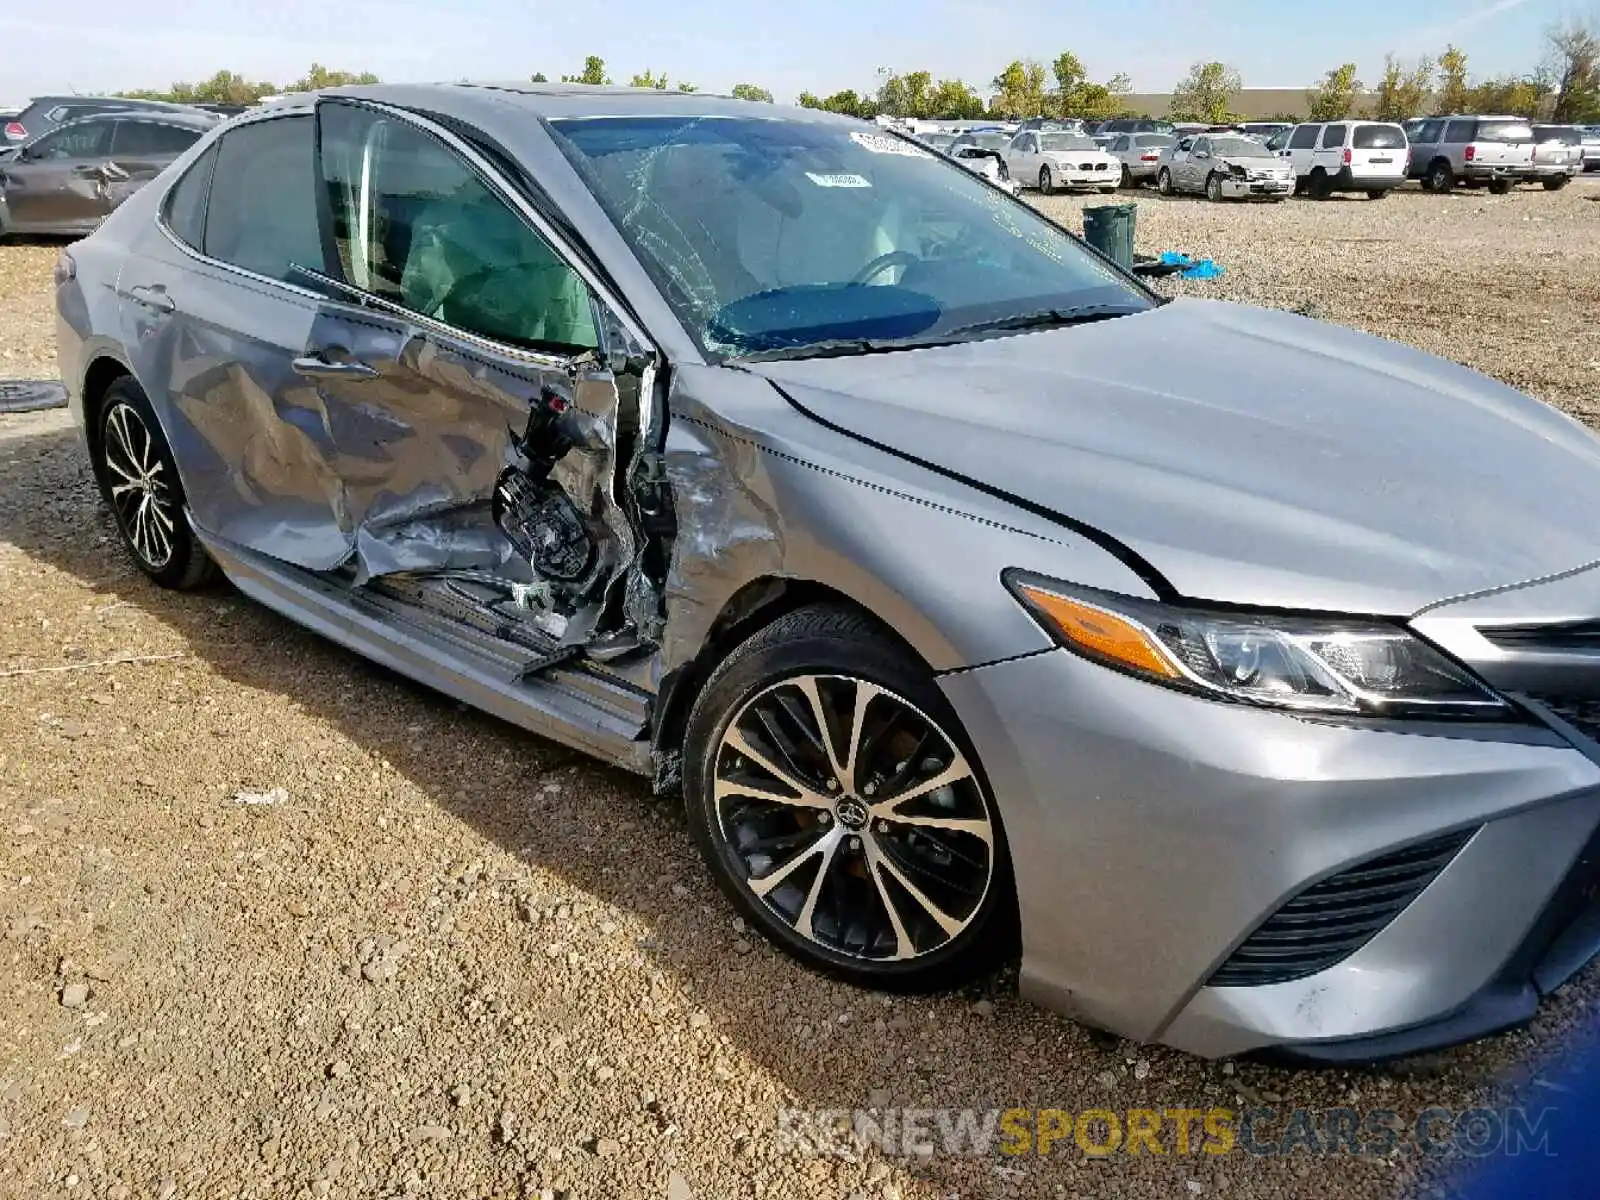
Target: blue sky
786, 45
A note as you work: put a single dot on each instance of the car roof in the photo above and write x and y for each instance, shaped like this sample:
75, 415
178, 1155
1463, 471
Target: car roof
175, 116
120, 101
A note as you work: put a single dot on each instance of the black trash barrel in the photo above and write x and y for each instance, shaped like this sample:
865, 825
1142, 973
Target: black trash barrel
1109, 229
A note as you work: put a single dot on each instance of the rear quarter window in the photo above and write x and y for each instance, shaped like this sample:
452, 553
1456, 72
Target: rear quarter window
185, 208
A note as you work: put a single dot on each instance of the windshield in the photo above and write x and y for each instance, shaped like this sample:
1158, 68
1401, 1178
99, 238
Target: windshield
1378, 137
1066, 141
1504, 131
1238, 147
769, 235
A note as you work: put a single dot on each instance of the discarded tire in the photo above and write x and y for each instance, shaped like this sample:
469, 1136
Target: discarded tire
31, 395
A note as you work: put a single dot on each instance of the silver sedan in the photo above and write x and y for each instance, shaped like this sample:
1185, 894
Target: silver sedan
1245, 688
1139, 154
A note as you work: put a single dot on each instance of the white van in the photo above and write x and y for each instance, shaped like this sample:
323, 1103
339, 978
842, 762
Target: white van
1347, 156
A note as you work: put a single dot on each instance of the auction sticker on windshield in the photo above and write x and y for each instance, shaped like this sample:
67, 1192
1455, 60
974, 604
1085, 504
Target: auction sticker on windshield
847, 181
880, 143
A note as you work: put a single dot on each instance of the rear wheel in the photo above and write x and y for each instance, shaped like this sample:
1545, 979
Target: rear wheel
1127, 177
1499, 187
1556, 182
1047, 183
1440, 177
1377, 193
1320, 186
1214, 188
1164, 182
839, 806
139, 480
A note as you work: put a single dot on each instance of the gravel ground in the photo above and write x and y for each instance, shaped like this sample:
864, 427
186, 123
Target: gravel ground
448, 959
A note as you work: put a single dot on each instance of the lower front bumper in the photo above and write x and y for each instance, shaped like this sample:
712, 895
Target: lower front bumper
1151, 832
1239, 189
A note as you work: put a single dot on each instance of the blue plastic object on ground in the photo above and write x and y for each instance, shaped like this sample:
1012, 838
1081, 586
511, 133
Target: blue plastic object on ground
1202, 268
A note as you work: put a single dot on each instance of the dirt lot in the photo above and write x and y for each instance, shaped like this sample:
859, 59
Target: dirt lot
457, 961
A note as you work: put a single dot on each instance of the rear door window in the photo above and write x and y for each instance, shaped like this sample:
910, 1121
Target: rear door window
1456, 132
1304, 137
185, 211
152, 138
82, 139
262, 213
1333, 137
1378, 137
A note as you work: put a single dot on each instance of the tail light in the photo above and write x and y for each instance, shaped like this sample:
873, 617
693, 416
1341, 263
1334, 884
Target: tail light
1347, 156
66, 269
16, 131
1472, 153
1149, 158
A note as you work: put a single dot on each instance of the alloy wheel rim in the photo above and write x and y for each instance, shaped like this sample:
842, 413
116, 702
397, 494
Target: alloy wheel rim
855, 818
140, 493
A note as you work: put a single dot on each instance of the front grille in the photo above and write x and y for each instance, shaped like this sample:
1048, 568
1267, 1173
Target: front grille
1331, 920
1570, 635
1584, 715
1094, 166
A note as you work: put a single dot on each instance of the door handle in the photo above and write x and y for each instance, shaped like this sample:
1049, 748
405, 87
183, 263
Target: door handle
317, 367
153, 297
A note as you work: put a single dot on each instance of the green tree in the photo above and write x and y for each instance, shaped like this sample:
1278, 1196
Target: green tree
594, 72
954, 100
225, 87
1205, 94
687, 87
320, 76
905, 95
846, 103
1574, 67
750, 91
647, 80
1401, 93
1452, 95
1019, 90
1072, 82
538, 77
1335, 97
1519, 95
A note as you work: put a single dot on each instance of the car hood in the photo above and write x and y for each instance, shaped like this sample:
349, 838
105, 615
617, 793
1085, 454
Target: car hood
1254, 163
1249, 455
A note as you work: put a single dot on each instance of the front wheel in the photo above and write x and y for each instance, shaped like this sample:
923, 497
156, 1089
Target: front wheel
1005, 171
1127, 177
1214, 188
841, 809
139, 479
1377, 193
1047, 183
1107, 191
1164, 182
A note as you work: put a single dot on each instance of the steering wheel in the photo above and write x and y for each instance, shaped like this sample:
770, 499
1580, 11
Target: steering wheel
901, 258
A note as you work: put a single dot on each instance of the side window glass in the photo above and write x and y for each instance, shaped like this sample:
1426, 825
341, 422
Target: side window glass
1333, 137
152, 138
87, 139
1304, 137
1203, 146
416, 225
185, 211
262, 213
1122, 144
1458, 131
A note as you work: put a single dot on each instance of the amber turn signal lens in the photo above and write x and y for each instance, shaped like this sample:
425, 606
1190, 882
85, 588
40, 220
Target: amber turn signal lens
1102, 634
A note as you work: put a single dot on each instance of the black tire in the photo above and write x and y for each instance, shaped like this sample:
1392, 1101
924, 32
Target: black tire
1556, 182
1214, 188
1499, 187
1126, 180
1047, 182
122, 419
1005, 171
1440, 177
826, 641
1378, 193
1320, 186
1164, 182
1106, 191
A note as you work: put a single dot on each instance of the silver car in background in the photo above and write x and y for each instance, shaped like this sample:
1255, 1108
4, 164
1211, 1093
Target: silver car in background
1246, 685
983, 153
1223, 166
1140, 156
1557, 155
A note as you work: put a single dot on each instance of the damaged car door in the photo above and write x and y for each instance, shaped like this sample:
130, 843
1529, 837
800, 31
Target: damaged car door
478, 432
57, 183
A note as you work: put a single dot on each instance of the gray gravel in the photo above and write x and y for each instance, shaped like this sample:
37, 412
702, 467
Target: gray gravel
447, 959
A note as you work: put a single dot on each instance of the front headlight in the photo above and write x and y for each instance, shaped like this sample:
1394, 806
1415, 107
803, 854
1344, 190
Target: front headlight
1307, 664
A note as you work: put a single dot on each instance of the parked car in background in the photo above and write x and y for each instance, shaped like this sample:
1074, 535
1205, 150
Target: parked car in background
1492, 151
1068, 161
1051, 125
1140, 156
1223, 167
1345, 156
1589, 139
1254, 714
984, 154
44, 113
937, 140
1136, 125
1557, 155
68, 180
1263, 130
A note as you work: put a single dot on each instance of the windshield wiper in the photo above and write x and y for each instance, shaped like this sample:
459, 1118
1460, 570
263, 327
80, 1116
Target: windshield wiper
1046, 318
838, 348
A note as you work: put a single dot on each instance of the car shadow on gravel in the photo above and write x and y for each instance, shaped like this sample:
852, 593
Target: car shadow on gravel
831, 1045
